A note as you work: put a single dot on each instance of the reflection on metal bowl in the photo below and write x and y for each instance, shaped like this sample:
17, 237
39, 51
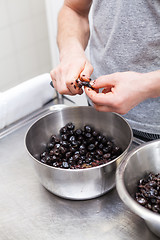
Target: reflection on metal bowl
77, 184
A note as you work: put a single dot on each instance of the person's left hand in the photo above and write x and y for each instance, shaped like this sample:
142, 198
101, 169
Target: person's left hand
121, 91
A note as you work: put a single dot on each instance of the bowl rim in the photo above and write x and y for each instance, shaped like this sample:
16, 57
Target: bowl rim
141, 211
84, 169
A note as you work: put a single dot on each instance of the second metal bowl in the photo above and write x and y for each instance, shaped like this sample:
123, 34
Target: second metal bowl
138, 162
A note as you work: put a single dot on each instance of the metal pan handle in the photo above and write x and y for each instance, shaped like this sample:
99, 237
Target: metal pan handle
138, 141
51, 83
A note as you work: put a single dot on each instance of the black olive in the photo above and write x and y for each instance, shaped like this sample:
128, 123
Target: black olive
78, 132
142, 201
107, 155
101, 146
88, 160
64, 144
54, 158
95, 133
63, 130
88, 129
80, 161
83, 152
62, 149
68, 154
57, 140
82, 147
74, 144
50, 145
65, 164
53, 137
76, 157
43, 160
106, 149
72, 149
57, 145
90, 140
104, 140
76, 152
43, 154
88, 135
72, 138
51, 153
70, 126
96, 156
56, 151
99, 138
155, 208
70, 133
82, 157
80, 138
70, 160
99, 152
91, 147
55, 164
64, 137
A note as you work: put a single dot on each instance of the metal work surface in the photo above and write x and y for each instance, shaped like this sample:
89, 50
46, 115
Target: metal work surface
29, 212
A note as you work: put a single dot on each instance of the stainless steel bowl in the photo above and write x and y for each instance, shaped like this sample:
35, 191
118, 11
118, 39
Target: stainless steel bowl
143, 159
77, 183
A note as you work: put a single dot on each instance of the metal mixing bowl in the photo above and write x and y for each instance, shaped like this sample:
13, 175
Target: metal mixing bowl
77, 183
138, 162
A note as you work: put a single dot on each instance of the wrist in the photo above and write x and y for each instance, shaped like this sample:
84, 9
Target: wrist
71, 46
153, 83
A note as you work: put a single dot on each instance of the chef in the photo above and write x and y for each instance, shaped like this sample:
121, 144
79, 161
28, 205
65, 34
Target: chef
124, 61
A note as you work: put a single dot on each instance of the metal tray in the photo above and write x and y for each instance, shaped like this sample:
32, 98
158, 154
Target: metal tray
29, 212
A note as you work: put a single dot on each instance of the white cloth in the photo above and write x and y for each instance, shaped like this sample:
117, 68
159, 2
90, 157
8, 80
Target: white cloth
25, 98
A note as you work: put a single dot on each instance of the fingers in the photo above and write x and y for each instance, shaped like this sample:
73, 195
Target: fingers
107, 90
65, 78
104, 81
108, 102
65, 83
121, 92
96, 101
55, 80
99, 98
71, 77
87, 71
53, 77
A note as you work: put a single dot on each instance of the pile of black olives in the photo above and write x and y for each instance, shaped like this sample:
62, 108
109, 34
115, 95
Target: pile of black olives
79, 148
148, 194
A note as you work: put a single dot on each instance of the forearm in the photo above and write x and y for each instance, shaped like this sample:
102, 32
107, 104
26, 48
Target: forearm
72, 39
73, 29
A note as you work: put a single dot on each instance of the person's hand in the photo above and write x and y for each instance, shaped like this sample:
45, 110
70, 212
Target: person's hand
73, 64
121, 91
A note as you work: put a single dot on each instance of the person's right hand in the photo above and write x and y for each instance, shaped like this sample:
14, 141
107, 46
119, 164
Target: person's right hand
73, 64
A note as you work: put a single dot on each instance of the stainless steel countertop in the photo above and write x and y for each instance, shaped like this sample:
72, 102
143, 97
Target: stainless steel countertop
29, 212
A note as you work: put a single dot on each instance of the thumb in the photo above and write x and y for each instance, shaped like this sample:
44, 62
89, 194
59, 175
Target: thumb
103, 81
87, 71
